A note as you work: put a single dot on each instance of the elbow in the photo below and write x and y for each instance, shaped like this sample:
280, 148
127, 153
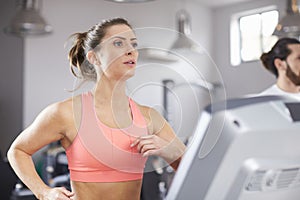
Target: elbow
15, 154
10, 154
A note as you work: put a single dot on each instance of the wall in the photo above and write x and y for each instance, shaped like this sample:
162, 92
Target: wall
11, 80
248, 77
46, 66
46, 73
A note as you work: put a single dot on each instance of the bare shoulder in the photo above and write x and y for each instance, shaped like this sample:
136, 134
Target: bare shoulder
154, 119
60, 113
59, 110
148, 111
53, 123
65, 106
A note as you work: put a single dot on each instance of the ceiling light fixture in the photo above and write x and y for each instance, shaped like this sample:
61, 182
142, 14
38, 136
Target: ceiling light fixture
184, 42
28, 21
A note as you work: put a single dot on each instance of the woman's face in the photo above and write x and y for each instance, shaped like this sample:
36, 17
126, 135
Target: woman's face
117, 52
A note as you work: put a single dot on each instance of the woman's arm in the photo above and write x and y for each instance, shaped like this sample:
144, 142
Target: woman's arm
47, 127
162, 141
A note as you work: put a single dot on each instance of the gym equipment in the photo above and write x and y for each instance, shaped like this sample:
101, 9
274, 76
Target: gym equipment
242, 149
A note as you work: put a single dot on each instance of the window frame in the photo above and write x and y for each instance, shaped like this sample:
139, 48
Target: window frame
235, 33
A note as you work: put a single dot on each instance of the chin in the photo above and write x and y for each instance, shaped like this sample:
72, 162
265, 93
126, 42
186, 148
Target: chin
128, 75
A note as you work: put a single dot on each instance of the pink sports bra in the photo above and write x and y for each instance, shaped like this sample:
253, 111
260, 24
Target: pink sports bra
103, 154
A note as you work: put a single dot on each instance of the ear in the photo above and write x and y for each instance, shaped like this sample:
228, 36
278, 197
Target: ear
280, 64
91, 56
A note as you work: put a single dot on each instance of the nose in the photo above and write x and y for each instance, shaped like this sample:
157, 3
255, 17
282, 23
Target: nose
130, 51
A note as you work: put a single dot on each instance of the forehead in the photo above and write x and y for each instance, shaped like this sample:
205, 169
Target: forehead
119, 30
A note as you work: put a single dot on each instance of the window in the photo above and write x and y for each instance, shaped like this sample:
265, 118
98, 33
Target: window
251, 34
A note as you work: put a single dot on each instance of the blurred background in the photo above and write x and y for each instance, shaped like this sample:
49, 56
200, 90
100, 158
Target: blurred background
217, 58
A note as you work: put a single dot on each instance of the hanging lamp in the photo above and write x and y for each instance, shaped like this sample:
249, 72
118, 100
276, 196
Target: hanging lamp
27, 20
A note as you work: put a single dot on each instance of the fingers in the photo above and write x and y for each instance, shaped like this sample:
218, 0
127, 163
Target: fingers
135, 142
143, 143
67, 192
149, 145
60, 193
150, 153
169, 149
145, 148
139, 139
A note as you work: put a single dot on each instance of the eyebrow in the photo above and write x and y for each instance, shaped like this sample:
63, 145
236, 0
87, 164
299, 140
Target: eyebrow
123, 38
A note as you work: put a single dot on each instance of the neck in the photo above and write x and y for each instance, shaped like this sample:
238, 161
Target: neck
287, 86
110, 90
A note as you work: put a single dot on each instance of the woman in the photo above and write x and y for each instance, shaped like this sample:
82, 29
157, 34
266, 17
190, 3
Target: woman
106, 135
283, 60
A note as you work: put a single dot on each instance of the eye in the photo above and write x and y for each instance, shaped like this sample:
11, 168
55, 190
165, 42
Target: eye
118, 43
134, 45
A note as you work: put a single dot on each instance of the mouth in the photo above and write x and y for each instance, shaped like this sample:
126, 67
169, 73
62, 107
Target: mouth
130, 62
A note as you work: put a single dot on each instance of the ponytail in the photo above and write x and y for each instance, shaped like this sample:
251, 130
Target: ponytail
268, 62
78, 60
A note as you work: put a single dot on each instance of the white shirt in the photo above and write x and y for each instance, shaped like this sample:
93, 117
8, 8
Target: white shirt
275, 90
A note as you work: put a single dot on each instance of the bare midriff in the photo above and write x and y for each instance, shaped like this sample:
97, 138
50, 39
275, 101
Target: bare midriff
107, 191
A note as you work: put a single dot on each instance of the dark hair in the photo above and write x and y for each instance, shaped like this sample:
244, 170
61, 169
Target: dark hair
279, 50
87, 41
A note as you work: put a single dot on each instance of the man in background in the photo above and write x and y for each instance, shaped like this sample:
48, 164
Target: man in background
283, 60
